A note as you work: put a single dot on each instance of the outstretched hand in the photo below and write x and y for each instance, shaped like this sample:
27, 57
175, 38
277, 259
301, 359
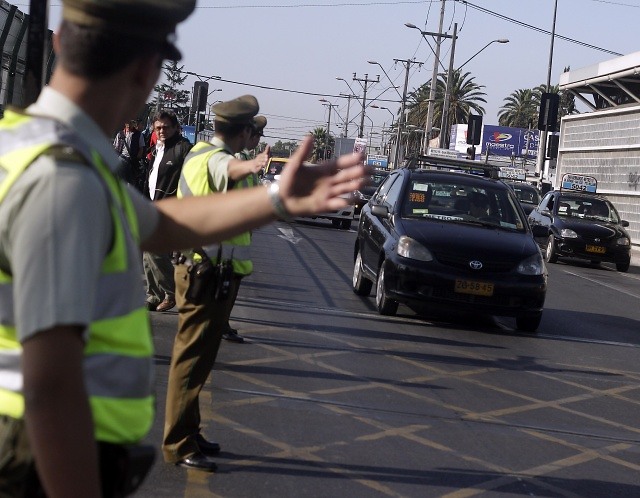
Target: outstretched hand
310, 189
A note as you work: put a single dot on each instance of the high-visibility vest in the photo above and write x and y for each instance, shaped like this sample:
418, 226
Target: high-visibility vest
118, 356
194, 180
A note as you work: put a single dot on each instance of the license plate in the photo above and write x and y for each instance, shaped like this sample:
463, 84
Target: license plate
473, 287
596, 249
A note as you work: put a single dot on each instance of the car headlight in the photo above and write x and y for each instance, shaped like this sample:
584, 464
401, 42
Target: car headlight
567, 233
623, 241
409, 248
533, 265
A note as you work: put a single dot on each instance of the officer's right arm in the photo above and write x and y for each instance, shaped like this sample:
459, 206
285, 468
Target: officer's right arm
197, 221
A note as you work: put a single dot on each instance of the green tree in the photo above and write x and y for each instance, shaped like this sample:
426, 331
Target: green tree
319, 138
283, 149
466, 96
520, 109
169, 95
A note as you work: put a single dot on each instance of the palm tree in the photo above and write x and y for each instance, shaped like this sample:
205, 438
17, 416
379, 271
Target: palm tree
319, 138
466, 96
520, 109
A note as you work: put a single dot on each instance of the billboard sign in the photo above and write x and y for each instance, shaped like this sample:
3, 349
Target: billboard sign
377, 161
510, 142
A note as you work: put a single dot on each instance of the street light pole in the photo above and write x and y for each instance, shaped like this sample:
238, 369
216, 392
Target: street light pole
542, 149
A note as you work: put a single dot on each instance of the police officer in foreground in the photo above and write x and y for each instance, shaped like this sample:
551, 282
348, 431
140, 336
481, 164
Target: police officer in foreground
76, 385
242, 265
203, 317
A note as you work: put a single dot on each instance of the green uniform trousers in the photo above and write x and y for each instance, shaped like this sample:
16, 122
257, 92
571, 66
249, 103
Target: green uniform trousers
200, 329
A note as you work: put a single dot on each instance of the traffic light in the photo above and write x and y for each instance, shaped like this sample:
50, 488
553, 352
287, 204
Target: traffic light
474, 129
471, 152
553, 141
548, 115
199, 96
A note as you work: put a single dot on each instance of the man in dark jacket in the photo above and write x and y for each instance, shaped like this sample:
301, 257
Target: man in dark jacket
162, 181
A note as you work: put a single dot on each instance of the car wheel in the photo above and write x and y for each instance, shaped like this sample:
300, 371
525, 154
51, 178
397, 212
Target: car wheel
623, 267
385, 305
528, 323
595, 263
361, 284
346, 224
551, 255
335, 223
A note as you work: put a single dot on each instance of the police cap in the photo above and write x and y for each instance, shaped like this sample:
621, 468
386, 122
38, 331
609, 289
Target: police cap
237, 111
259, 122
152, 20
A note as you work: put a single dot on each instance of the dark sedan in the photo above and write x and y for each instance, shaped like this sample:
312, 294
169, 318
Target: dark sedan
585, 226
527, 194
452, 240
363, 195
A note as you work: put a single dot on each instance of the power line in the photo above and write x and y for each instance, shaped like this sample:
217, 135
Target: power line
535, 28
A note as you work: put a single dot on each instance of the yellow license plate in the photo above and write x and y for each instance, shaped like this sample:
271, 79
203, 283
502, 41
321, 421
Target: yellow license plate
473, 287
596, 249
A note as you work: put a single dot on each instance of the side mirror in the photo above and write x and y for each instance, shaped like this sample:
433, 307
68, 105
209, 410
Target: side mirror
380, 211
546, 212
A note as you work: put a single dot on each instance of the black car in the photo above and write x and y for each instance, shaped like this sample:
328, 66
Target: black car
582, 225
452, 240
527, 194
363, 195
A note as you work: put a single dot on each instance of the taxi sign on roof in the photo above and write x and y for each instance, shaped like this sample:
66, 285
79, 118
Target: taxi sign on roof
433, 151
512, 173
580, 183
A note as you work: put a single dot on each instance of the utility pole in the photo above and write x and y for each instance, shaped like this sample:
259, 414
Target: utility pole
444, 126
346, 122
366, 81
432, 91
402, 120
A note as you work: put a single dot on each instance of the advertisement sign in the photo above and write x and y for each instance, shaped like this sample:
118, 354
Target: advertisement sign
360, 145
377, 161
510, 142
189, 133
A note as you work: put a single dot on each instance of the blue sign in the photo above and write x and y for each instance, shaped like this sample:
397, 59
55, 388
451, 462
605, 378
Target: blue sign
189, 133
377, 161
510, 142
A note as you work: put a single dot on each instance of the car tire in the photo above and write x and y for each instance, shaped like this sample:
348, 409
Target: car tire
361, 284
385, 305
623, 267
345, 225
335, 223
550, 255
528, 323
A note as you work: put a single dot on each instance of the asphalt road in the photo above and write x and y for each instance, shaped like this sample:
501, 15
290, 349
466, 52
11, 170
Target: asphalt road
329, 399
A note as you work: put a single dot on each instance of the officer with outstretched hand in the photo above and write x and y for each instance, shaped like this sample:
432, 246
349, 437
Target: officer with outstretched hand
76, 384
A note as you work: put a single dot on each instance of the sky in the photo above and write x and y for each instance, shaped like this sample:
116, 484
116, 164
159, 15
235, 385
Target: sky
288, 53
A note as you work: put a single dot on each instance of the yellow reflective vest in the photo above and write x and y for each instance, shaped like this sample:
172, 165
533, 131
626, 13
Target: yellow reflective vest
194, 180
118, 358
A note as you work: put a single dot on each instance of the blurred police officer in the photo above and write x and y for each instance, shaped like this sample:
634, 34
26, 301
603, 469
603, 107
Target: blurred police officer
242, 264
209, 167
76, 390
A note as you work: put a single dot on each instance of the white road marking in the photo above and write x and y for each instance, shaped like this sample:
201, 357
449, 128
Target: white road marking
287, 234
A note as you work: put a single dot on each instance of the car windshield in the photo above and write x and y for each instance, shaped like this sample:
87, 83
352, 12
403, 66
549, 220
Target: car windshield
526, 194
585, 208
462, 203
274, 168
